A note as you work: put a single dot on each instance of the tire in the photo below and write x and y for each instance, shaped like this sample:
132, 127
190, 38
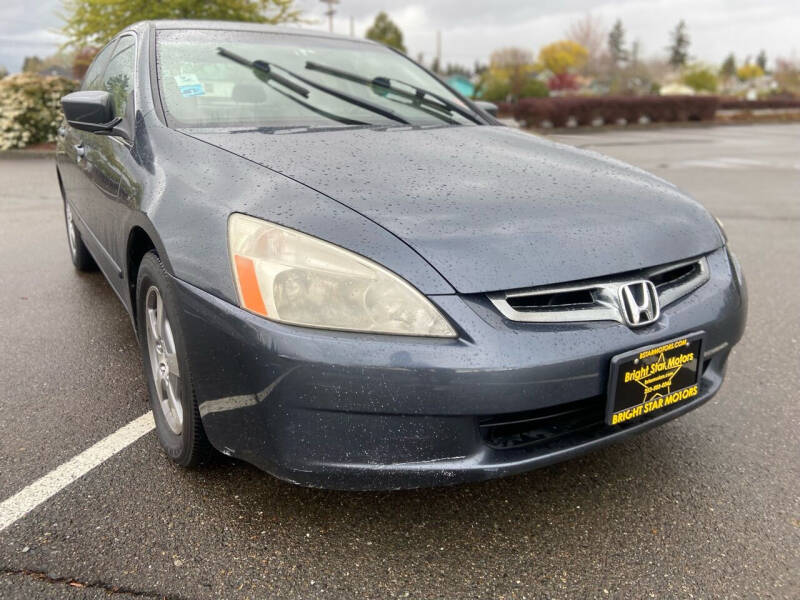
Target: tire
163, 350
78, 251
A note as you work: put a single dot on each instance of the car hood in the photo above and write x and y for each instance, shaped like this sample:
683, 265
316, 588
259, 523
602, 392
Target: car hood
490, 208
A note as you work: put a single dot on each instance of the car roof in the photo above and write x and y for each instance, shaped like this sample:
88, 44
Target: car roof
199, 24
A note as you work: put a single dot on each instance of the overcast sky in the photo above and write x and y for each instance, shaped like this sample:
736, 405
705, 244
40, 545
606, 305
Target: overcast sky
472, 29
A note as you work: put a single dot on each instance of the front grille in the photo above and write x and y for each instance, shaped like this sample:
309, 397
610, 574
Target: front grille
598, 299
557, 426
675, 281
568, 299
529, 428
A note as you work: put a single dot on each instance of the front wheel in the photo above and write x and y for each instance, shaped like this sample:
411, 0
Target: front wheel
78, 251
178, 424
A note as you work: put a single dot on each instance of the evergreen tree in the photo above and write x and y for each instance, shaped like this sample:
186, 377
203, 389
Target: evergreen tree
679, 49
616, 43
728, 68
385, 31
761, 60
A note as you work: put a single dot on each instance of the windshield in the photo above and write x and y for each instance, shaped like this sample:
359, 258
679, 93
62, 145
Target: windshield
200, 87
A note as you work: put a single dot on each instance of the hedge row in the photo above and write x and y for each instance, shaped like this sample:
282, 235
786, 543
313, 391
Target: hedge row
505, 109
30, 108
585, 110
739, 104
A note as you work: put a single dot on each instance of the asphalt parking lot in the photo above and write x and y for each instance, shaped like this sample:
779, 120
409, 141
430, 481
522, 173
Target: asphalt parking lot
707, 506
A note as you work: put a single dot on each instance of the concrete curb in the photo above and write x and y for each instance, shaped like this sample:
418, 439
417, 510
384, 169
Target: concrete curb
26, 154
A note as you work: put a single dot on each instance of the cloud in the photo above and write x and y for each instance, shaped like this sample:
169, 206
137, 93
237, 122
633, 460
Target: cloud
26, 29
472, 29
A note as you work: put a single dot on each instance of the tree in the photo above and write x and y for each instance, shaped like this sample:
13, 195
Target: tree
761, 60
700, 78
83, 58
728, 68
590, 33
493, 87
679, 49
562, 82
32, 64
616, 44
514, 65
3, 71
94, 22
559, 57
385, 31
749, 71
534, 88
787, 74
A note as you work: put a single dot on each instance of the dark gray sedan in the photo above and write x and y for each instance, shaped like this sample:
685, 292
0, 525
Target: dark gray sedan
344, 272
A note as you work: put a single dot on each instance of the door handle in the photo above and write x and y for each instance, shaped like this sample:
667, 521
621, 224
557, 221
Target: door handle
80, 150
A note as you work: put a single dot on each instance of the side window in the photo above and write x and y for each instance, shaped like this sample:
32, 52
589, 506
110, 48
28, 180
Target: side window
93, 80
118, 77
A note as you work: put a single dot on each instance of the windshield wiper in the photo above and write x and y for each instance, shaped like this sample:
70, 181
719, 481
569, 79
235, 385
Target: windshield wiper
320, 111
263, 71
419, 96
266, 71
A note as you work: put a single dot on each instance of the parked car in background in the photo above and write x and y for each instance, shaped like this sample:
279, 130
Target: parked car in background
344, 272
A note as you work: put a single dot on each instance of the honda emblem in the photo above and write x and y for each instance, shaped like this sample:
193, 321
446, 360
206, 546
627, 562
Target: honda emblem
639, 303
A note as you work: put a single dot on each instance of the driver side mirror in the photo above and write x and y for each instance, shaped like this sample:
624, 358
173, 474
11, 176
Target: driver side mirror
91, 111
489, 107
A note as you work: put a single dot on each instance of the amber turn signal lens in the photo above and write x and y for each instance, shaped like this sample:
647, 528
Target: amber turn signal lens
248, 285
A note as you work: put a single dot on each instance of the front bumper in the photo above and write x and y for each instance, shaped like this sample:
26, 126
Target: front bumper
357, 411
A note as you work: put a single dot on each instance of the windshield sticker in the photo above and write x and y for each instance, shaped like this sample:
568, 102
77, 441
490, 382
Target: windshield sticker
188, 91
189, 85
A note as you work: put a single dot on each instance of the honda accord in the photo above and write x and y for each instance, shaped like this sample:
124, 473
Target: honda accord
344, 272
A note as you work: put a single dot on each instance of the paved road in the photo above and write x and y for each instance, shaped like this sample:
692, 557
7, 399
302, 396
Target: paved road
706, 506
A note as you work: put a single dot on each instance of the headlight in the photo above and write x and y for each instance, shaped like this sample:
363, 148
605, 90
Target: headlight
294, 278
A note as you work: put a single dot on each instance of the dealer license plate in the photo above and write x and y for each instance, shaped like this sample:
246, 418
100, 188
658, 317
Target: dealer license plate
653, 378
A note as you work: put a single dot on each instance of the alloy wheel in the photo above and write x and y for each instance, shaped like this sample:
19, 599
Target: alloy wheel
164, 360
71, 234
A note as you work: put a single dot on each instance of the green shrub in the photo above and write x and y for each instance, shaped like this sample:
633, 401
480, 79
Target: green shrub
30, 108
493, 88
534, 88
700, 79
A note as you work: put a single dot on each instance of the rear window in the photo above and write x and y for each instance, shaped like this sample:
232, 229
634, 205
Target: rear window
199, 88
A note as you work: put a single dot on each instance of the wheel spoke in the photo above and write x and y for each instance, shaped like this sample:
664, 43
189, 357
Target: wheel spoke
173, 385
159, 316
152, 323
172, 363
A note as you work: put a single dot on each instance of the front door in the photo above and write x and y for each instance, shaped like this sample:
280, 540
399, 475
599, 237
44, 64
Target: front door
72, 163
105, 157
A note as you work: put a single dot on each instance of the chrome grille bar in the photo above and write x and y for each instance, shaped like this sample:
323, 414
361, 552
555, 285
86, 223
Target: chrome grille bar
605, 297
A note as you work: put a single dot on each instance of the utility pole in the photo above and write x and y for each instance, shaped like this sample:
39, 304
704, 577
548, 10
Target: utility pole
352, 27
330, 12
439, 48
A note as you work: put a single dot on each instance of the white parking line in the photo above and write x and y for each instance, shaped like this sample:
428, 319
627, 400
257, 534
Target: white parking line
24, 501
